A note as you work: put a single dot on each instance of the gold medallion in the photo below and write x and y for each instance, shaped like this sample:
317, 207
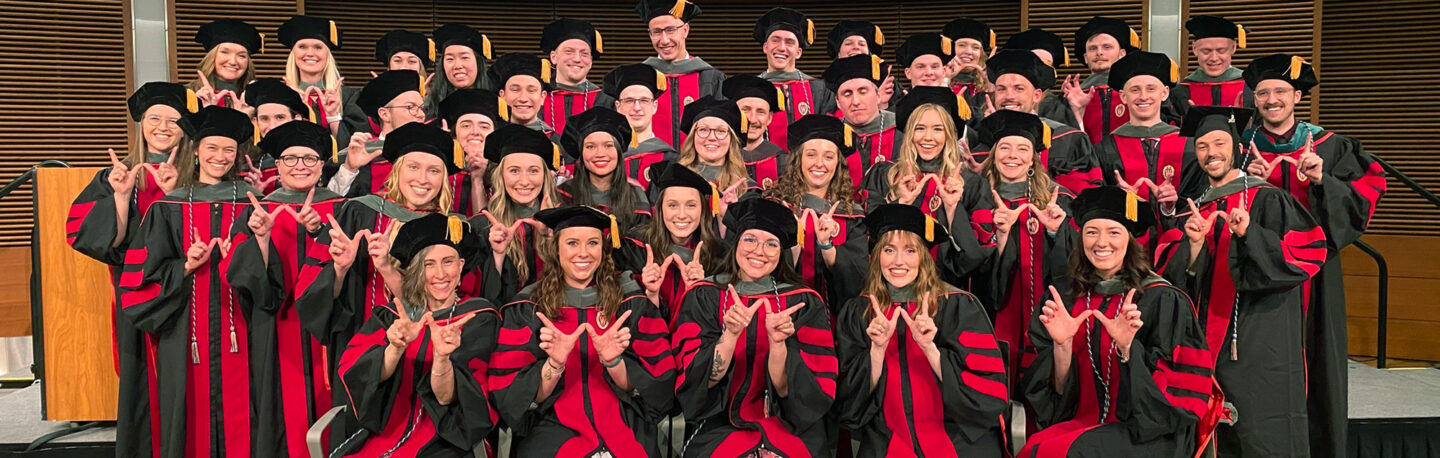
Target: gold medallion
1032, 225
803, 108
766, 183
1120, 110
688, 99
880, 158
934, 203
1168, 172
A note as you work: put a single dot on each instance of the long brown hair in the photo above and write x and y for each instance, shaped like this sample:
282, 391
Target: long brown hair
1039, 179
927, 279
658, 236
1134, 268
207, 66
791, 188
187, 163
549, 292
502, 208
734, 163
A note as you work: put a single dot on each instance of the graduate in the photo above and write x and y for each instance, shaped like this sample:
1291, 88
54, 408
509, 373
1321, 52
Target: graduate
712, 148
784, 35
687, 78
311, 70
390, 100
1121, 366
523, 81
856, 80
1216, 82
1050, 48
572, 45
471, 115
595, 141
1021, 81
636, 90
925, 58
935, 388
415, 374
971, 42
758, 100
583, 364
463, 52
270, 104
174, 288
1244, 252
1096, 104
932, 161
402, 49
682, 223
268, 270
848, 38
225, 70
754, 347
522, 182
101, 224
1340, 183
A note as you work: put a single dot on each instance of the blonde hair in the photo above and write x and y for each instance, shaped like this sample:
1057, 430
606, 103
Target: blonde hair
734, 171
329, 77
502, 208
207, 66
392, 190
909, 157
927, 278
1039, 179
140, 149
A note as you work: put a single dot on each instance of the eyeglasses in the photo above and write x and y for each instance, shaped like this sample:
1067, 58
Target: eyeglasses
656, 33
155, 120
309, 161
752, 243
412, 108
636, 102
718, 134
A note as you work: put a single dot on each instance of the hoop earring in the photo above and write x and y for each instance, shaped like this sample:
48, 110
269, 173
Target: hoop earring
1030, 172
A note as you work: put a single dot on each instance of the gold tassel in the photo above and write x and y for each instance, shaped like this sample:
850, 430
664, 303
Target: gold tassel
545, 70
421, 88
1240, 36
599, 43
634, 138
456, 231
875, 67
485, 44
780, 98
1044, 134
459, 154
192, 102
1296, 64
1067, 57
334, 151
992, 39
947, 46
614, 232
503, 108
879, 36
678, 10
714, 199
1132, 205
310, 110
800, 232
255, 138
334, 35
432, 48
809, 31
1174, 72
744, 124
929, 229
1134, 38
661, 83
262, 43
555, 156
962, 108
849, 136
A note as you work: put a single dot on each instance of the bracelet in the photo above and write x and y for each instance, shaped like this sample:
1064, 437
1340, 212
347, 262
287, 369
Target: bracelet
550, 363
824, 246
610, 364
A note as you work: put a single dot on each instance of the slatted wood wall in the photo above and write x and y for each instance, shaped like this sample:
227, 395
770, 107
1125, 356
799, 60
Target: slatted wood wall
266, 15
1064, 17
1272, 26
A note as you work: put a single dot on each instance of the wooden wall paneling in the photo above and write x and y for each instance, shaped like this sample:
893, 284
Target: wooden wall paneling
1414, 282
15, 303
1065, 17
1271, 26
265, 15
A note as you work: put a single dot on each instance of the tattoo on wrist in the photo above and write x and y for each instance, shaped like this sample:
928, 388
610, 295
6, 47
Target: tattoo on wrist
718, 367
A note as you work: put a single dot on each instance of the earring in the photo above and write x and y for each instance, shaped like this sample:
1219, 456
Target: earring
1030, 172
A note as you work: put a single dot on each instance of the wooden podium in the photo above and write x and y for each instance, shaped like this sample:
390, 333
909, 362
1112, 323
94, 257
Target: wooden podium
76, 357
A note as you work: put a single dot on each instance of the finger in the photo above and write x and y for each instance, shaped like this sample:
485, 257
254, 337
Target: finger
115, 160
1120, 180
309, 197
204, 81
735, 297
735, 187
696, 256
266, 182
493, 222
791, 311
1054, 195
427, 318
1310, 142
1193, 211
546, 321
255, 203
998, 201
875, 306
581, 329
925, 304
1055, 294
171, 159
831, 213
619, 321
649, 255
1130, 297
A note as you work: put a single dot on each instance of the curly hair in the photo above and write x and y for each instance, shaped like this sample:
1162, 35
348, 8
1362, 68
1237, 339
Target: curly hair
549, 292
792, 187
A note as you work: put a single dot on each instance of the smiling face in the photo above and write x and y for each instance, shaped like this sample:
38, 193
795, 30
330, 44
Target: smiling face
580, 251
160, 126
1142, 96
421, 176
1015, 92
572, 61
270, 116
819, 159
638, 105
460, 66
525, 96
1101, 51
298, 177
231, 60
1276, 100
667, 36
757, 253
681, 211
929, 134
782, 49
1013, 156
1213, 54
712, 140
600, 154
523, 176
406, 60
757, 113
311, 55
442, 273
853, 45
405, 108
470, 130
968, 52
1215, 151
216, 155
926, 70
1105, 242
859, 101
899, 257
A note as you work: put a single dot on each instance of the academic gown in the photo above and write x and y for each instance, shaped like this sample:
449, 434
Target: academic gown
202, 335
502, 285
842, 281
766, 163
1226, 90
879, 141
1148, 406
631, 257
283, 354
741, 415
803, 94
639, 158
1053, 106
601, 199
90, 229
1249, 295
565, 101
1105, 111
963, 84
1342, 205
912, 412
1159, 153
352, 118
687, 80
1071, 160
400, 415
964, 256
586, 413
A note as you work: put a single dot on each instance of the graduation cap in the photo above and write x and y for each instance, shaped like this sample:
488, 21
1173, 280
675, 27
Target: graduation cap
479, 101
951, 103
165, 93
1202, 119
1005, 123
515, 64
1023, 63
1216, 27
741, 86
435, 229
463, 35
972, 29
384, 88
761, 214
230, 31
1129, 40
419, 137
709, 106
274, 90
668, 174
563, 29
925, 43
1291, 69
867, 66
874, 38
596, 119
681, 9
628, 75
822, 126
401, 40
1115, 204
217, 121
301, 27
1038, 38
781, 18
1138, 63
510, 139
904, 217
300, 132
568, 216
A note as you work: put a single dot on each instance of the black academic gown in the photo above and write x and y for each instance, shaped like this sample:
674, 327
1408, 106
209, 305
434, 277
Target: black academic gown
586, 413
878, 141
400, 416
912, 412
766, 163
1226, 90
842, 281
638, 216
1071, 159
638, 159
501, 285
803, 94
1148, 406
1158, 153
1249, 294
687, 80
352, 118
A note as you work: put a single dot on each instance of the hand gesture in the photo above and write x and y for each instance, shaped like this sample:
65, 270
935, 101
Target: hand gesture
611, 343
121, 178
240, 104
199, 252
881, 329
1311, 165
990, 103
692, 271
652, 276
1077, 98
968, 157
261, 221
1058, 321
500, 234
1123, 327
206, 93
922, 326
377, 245
330, 100
825, 226
1198, 227
344, 247
1004, 216
910, 185
556, 343
887, 87
356, 156
402, 331
1262, 169
307, 215
737, 318
952, 189
255, 178
1052, 215
1239, 218
730, 196
164, 173
446, 338
779, 325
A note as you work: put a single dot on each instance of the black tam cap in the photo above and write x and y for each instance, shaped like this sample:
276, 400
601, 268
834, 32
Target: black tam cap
463, 35
162, 93
596, 119
874, 38
301, 27
435, 229
709, 106
560, 30
568, 216
1038, 38
761, 214
510, 139
867, 66
741, 86
1285, 67
681, 9
631, 75
230, 31
953, 104
668, 174
1201, 119
215, 120
1023, 63
972, 29
781, 18
401, 40
274, 90
822, 126
1005, 123
925, 43
479, 101
515, 64
904, 217
419, 137
1098, 25
1216, 27
300, 132
1115, 204
386, 87
1137, 63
